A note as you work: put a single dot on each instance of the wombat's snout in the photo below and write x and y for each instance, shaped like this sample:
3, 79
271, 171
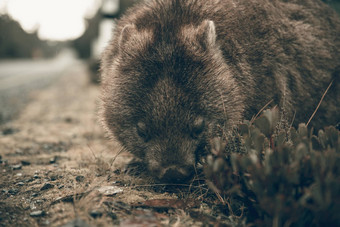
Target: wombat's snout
175, 174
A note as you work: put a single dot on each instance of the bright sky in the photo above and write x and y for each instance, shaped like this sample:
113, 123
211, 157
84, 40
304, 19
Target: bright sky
55, 19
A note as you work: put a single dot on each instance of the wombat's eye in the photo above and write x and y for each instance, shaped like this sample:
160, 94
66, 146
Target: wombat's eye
142, 131
198, 127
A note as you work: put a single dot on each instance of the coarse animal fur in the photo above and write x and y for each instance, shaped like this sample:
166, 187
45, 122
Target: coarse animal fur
177, 71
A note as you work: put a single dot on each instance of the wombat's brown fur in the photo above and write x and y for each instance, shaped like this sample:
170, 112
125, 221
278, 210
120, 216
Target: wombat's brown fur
178, 71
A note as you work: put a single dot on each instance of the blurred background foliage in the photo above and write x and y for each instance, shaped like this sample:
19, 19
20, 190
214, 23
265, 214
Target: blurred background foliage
15, 42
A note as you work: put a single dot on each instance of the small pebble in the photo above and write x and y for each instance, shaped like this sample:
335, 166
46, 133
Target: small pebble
53, 160
46, 186
37, 213
96, 213
60, 186
32, 206
110, 190
113, 216
80, 178
28, 180
16, 167
13, 191
25, 163
20, 183
53, 177
117, 171
8, 131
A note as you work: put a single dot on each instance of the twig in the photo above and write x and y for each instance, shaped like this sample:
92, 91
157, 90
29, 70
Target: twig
155, 185
323, 96
199, 184
223, 200
115, 157
88, 145
265, 106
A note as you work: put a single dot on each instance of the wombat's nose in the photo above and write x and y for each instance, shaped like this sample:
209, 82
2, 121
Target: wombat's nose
175, 174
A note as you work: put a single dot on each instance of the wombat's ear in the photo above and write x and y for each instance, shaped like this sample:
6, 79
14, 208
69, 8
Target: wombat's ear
199, 38
132, 40
207, 33
127, 32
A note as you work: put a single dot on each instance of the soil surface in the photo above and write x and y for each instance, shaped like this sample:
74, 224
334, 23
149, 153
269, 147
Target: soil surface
58, 168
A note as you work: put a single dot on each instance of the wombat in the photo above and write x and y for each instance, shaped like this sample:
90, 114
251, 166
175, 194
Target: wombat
177, 72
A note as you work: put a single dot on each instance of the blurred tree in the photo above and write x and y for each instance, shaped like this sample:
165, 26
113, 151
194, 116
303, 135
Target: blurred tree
83, 43
123, 6
16, 43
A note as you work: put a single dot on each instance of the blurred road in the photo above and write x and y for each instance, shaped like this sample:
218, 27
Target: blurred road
19, 78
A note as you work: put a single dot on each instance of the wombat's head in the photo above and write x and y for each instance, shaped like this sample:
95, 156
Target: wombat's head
166, 93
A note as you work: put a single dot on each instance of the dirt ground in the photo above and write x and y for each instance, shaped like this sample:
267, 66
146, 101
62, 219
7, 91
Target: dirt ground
57, 168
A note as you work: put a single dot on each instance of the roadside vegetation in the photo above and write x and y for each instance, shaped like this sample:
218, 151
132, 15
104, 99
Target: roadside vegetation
270, 174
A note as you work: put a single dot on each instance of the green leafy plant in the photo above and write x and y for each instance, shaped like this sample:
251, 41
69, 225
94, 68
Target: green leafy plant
282, 176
